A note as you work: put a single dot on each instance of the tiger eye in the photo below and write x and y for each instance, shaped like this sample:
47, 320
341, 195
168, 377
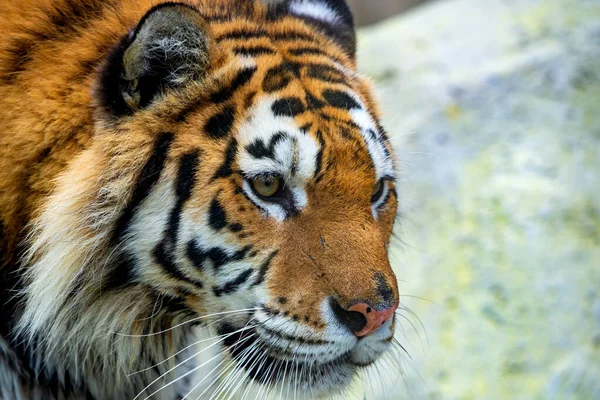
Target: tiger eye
266, 186
376, 189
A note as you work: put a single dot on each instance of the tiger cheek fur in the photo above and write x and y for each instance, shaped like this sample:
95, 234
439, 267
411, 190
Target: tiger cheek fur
147, 228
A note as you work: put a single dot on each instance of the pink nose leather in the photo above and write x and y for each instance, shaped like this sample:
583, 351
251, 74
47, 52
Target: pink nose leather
374, 318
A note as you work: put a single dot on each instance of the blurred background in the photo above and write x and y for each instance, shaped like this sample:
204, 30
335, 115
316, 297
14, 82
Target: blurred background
494, 109
370, 11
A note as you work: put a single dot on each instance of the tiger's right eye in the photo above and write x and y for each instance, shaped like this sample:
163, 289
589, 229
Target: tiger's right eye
377, 191
266, 186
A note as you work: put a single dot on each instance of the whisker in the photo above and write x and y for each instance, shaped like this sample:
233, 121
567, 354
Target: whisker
225, 386
262, 360
414, 328
182, 376
262, 357
242, 361
198, 367
155, 310
189, 321
225, 370
241, 376
397, 343
420, 298
412, 313
207, 375
190, 345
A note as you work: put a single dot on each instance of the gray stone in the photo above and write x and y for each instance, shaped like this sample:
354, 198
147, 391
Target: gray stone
494, 108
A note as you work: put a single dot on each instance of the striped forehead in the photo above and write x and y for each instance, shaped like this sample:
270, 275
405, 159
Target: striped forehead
312, 74
273, 142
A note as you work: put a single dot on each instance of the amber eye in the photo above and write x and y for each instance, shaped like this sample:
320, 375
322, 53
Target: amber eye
376, 191
266, 186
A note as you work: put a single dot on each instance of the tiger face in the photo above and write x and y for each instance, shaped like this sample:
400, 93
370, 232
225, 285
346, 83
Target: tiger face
239, 174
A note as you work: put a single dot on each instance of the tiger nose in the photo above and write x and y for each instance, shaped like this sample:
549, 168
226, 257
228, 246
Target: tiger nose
361, 318
374, 318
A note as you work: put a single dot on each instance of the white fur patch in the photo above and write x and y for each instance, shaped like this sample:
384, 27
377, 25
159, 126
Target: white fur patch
384, 166
314, 9
295, 150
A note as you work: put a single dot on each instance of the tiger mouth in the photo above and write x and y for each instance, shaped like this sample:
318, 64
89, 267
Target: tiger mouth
271, 365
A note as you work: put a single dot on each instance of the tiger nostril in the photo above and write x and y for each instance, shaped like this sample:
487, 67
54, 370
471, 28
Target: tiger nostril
353, 320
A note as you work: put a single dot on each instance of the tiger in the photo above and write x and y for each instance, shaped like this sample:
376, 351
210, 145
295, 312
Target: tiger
197, 200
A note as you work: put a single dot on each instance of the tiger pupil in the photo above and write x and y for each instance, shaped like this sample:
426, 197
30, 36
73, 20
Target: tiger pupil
266, 186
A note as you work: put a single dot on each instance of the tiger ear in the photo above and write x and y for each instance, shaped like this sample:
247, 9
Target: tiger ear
168, 48
332, 17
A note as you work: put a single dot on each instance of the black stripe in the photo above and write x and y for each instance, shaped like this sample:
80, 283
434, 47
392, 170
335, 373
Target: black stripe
186, 176
319, 162
233, 285
303, 51
379, 139
257, 149
188, 167
146, 180
300, 51
165, 259
276, 78
240, 80
325, 73
220, 124
339, 99
164, 253
217, 255
122, 274
253, 51
294, 35
288, 107
314, 103
242, 34
348, 125
264, 268
196, 255
217, 217
225, 169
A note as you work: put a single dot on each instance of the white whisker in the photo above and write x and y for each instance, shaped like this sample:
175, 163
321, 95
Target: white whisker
189, 346
182, 376
189, 321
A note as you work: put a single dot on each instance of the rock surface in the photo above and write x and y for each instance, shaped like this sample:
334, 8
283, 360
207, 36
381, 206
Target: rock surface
494, 107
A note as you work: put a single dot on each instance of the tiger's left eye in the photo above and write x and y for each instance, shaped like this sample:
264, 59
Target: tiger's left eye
266, 186
376, 191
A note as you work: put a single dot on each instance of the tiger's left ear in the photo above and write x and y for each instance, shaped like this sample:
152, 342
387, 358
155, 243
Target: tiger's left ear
168, 48
332, 17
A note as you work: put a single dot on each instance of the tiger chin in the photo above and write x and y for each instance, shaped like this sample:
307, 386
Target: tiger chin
196, 200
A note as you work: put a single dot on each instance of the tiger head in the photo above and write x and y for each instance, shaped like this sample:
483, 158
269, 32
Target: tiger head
238, 177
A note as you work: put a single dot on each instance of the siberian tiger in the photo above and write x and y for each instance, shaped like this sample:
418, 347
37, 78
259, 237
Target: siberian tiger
179, 177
